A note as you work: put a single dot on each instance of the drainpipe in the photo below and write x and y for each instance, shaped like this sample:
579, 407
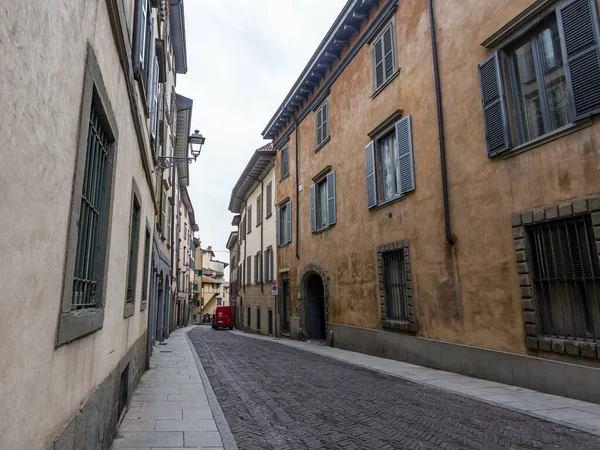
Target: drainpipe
262, 260
297, 192
440, 118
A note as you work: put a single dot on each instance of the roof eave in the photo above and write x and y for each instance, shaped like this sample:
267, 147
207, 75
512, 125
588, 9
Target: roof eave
177, 22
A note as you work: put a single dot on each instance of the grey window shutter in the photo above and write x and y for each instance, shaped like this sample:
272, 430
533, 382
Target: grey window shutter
378, 62
313, 208
325, 120
371, 181
494, 108
288, 222
139, 37
388, 52
154, 113
150, 62
580, 33
278, 222
406, 167
319, 126
331, 212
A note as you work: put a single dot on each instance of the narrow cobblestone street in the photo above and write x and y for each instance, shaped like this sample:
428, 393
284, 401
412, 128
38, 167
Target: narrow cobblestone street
276, 397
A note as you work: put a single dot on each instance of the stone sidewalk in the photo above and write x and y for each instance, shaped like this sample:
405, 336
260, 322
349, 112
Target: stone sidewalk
568, 412
173, 406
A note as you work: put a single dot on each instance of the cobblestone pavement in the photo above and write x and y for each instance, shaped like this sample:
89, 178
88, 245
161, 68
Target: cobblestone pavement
277, 397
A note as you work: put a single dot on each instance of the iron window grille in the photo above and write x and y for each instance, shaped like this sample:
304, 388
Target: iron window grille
90, 239
395, 285
566, 276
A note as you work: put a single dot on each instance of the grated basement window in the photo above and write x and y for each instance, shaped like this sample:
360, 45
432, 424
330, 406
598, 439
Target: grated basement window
93, 198
566, 276
395, 285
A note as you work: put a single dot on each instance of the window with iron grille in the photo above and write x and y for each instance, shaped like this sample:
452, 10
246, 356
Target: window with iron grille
91, 240
566, 276
395, 285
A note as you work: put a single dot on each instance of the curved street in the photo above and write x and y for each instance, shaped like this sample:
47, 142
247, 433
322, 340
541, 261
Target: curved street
277, 397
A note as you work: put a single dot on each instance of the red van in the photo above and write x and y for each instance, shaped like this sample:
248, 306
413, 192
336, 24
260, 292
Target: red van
222, 318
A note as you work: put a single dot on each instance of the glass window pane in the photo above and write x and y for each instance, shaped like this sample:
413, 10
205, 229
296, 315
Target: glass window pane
388, 156
322, 205
527, 99
553, 74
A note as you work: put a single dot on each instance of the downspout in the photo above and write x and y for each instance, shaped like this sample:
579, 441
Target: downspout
297, 192
262, 259
440, 119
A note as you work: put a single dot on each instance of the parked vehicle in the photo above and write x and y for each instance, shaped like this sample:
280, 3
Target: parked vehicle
222, 318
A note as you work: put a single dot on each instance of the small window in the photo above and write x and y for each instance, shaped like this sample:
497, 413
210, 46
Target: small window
133, 245
285, 170
269, 263
249, 318
258, 268
284, 224
395, 285
322, 122
257, 319
269, 199
259, 210
384, 56
249, 269
249, 219
566, 276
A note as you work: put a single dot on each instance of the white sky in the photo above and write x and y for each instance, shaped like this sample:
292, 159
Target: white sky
243, 58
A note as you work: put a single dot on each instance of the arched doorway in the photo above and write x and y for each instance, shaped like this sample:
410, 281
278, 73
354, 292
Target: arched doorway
315, 307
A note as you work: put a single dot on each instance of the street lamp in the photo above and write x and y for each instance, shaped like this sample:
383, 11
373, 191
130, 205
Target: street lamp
195, 141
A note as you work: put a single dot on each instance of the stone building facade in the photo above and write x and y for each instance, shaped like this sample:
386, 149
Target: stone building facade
252, 200
87, 113
437, 166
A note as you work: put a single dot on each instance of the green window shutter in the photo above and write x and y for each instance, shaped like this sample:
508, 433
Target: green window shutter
313, 208
406, 169
371, 180
278, 222
288, 222
580, 33
319, 126
331, 212
494, 108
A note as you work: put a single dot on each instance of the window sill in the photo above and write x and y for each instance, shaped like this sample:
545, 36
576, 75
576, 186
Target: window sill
322, 144
77, 324
548, 137
322, 230
268, 216
388, 202
284, 178
129, 310
398, 325
384, 85
562, 346
284, 245
144, 305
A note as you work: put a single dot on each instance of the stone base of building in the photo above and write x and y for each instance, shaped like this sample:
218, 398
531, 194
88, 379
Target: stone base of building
552, 377
95, 423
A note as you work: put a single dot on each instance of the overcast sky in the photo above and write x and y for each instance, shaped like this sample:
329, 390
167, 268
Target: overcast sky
243, 58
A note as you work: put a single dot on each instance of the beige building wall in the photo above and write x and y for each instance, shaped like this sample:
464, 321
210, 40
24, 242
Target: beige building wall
42, 72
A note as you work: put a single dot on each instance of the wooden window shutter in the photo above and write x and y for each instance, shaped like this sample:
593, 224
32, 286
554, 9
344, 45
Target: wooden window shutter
379, 69
331, 212
154, 113
151, 66
580, 33
278, 223
313, 208
288, 222
388, 51
406, 168
325, 120
371, 180
494, 108
139, 37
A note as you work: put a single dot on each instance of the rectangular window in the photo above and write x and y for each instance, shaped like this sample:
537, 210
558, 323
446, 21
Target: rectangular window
538, 82
323, 203
551, 78
258, 268
91, 239
133, 245
322, 122
384, 56
249, 219
389, 164
270, 325
395, 285
249, 318
566, 276
146, 267
168, 220
269, 199
284, 224
285, 169
259, 210
257, 319
249, 269
269, 263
